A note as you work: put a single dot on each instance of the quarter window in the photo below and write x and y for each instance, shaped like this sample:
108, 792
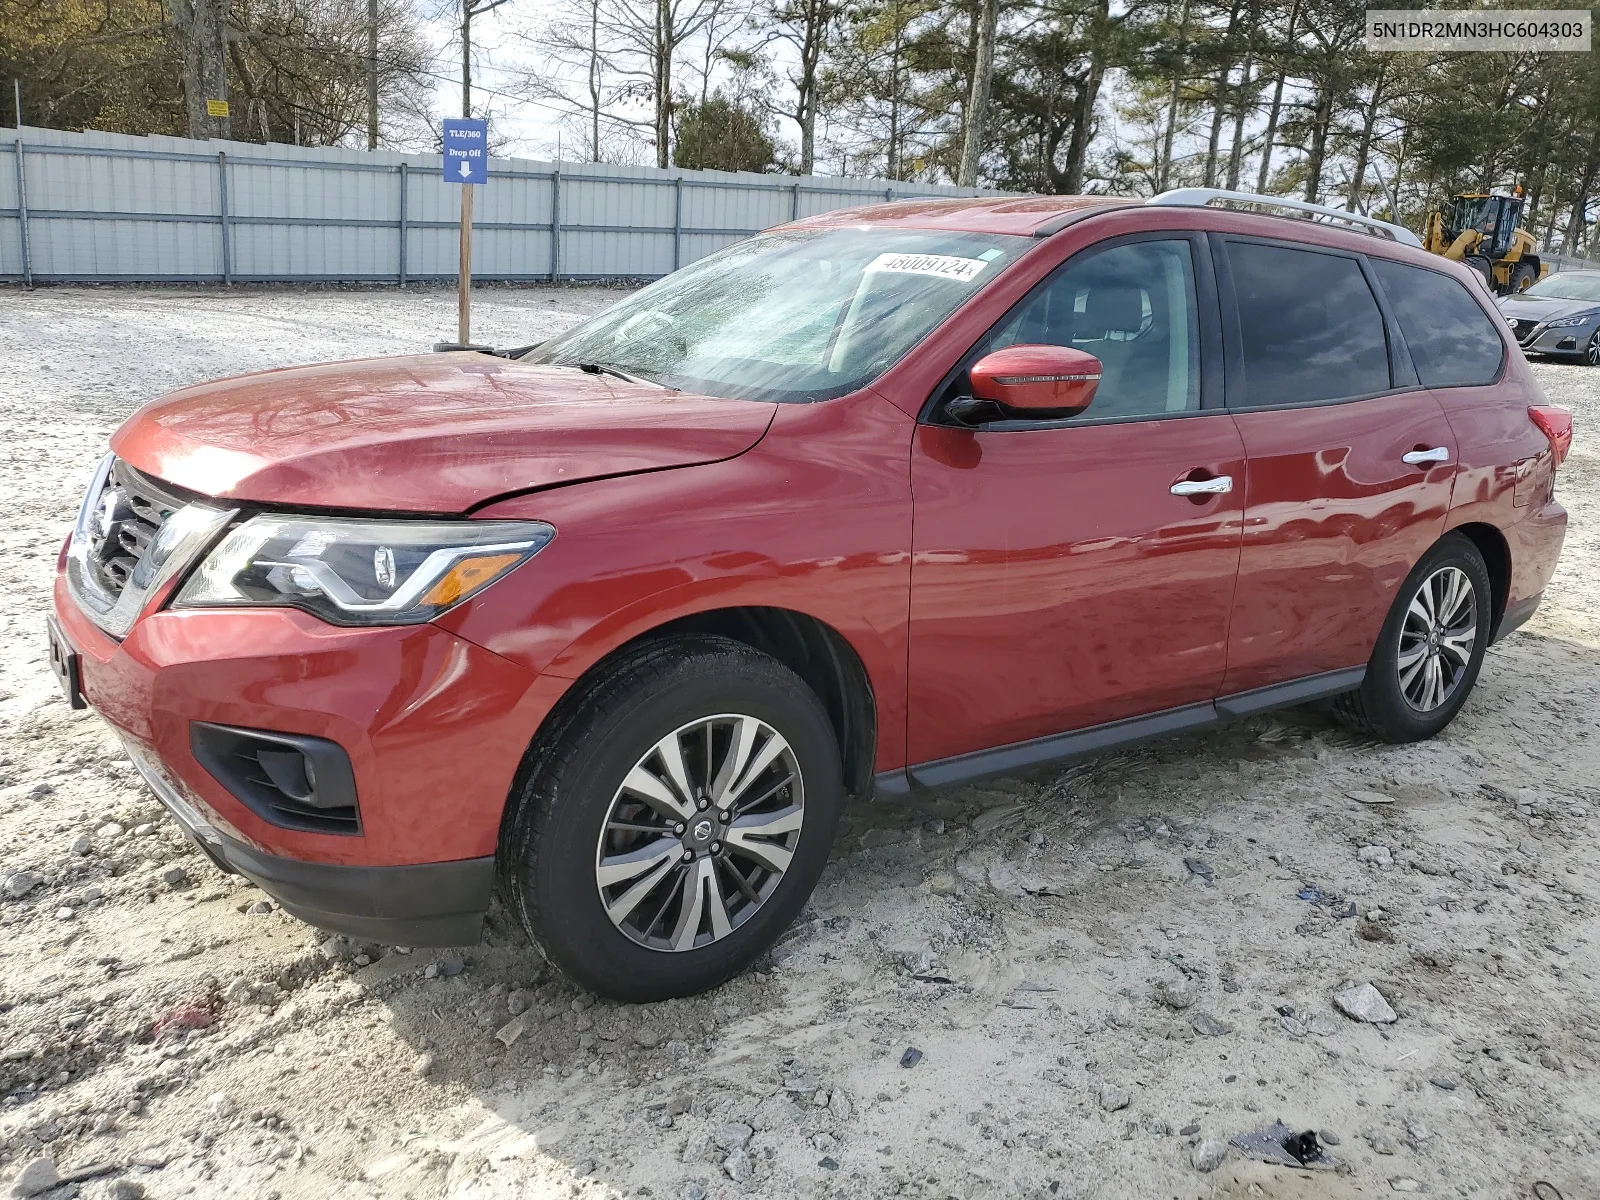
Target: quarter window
1451, 340
1309, 327
1133, 307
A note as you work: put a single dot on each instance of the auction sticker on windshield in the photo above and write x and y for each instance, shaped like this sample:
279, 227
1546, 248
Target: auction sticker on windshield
946, 266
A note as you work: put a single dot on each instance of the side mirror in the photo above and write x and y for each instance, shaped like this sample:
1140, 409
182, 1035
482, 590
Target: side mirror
1055, 379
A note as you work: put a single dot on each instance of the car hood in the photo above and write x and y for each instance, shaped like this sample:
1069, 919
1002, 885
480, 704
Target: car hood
1534, 308
437, 433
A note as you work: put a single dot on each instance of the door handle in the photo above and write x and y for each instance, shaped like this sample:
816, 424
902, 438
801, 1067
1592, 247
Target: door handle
1203, 487
1416, 458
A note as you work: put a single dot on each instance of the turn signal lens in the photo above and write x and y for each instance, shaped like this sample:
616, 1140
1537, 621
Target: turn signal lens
1555, 423
467, 576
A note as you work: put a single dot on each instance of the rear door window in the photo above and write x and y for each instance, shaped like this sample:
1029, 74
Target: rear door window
1310, 329
1452, 341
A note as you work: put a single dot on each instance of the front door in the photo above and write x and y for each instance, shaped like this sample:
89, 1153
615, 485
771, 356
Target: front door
1058, 580
1351, 462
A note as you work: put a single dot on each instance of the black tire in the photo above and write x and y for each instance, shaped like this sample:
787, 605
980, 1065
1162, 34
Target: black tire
1380, 707
1523, 277
552, 845
1485, 269
1591, 352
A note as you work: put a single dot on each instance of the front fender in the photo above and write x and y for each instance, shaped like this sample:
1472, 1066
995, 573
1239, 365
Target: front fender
816, 519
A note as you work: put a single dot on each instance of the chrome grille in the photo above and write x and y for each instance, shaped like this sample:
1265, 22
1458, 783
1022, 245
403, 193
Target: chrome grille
133, 534
128, 514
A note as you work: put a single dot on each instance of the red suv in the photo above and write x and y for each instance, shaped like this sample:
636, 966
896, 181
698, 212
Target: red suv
886, 499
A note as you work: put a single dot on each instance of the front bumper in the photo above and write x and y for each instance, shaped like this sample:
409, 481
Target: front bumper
424, 904
1558, 341
435, 728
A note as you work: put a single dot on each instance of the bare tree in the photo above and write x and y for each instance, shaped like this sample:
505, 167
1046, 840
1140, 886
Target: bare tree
987, 18
808, 26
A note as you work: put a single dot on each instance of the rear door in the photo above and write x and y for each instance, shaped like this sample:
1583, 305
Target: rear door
1351, 460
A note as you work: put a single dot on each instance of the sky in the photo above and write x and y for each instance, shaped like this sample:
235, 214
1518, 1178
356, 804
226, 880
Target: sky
504, 49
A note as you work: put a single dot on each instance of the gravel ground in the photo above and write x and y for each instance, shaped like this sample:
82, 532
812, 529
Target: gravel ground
1076, 985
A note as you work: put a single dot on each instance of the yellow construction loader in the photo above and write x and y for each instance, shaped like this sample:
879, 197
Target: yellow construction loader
1481, 230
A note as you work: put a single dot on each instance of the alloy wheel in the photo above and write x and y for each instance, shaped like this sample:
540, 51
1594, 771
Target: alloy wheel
1436, 639
700, 833
1592, 353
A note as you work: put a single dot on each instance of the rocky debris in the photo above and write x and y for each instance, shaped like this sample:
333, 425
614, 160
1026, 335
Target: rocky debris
1208, 1154
734, 1135
517, 1002
1201, 869
694, 1191
1375, 856
259, 909
82, 844
911, 1057
1113, 1098
446, 966
109, 831
1178, 991
20, 883
1207, 1025
175, 877
839, 1106
1382, 1143
127, 1189
423, 1066
36, 1177
738, 1167
1363, 1002
1365, 797
511, 1031
1404, 1183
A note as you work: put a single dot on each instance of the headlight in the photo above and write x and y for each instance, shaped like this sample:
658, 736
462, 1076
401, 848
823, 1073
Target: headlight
360, 572
1571, 322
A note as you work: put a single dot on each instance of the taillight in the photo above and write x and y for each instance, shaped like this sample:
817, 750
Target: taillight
1555, 423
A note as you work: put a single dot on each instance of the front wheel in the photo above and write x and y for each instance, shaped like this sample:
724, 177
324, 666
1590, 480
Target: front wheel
1430, 650
1591, 352
676, 821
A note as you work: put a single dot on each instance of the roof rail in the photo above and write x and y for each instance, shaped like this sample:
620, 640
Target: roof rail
1201, 197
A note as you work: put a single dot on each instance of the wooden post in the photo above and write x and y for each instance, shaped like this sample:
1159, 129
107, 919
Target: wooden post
464, 276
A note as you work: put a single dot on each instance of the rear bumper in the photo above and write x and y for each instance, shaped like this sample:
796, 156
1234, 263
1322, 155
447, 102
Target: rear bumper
425, 904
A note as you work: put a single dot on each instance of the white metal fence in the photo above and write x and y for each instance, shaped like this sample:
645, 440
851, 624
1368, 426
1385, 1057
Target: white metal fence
102, 207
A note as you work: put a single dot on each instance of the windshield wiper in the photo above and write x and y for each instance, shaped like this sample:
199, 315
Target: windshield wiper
619, 373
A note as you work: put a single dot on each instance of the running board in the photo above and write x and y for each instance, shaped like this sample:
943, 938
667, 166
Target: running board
1059, 747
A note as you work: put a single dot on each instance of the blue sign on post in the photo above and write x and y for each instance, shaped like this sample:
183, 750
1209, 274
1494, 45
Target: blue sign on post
466, 150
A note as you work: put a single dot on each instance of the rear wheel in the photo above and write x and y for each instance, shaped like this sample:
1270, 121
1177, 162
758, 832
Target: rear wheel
678, 820
1431, 648
1523, 277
